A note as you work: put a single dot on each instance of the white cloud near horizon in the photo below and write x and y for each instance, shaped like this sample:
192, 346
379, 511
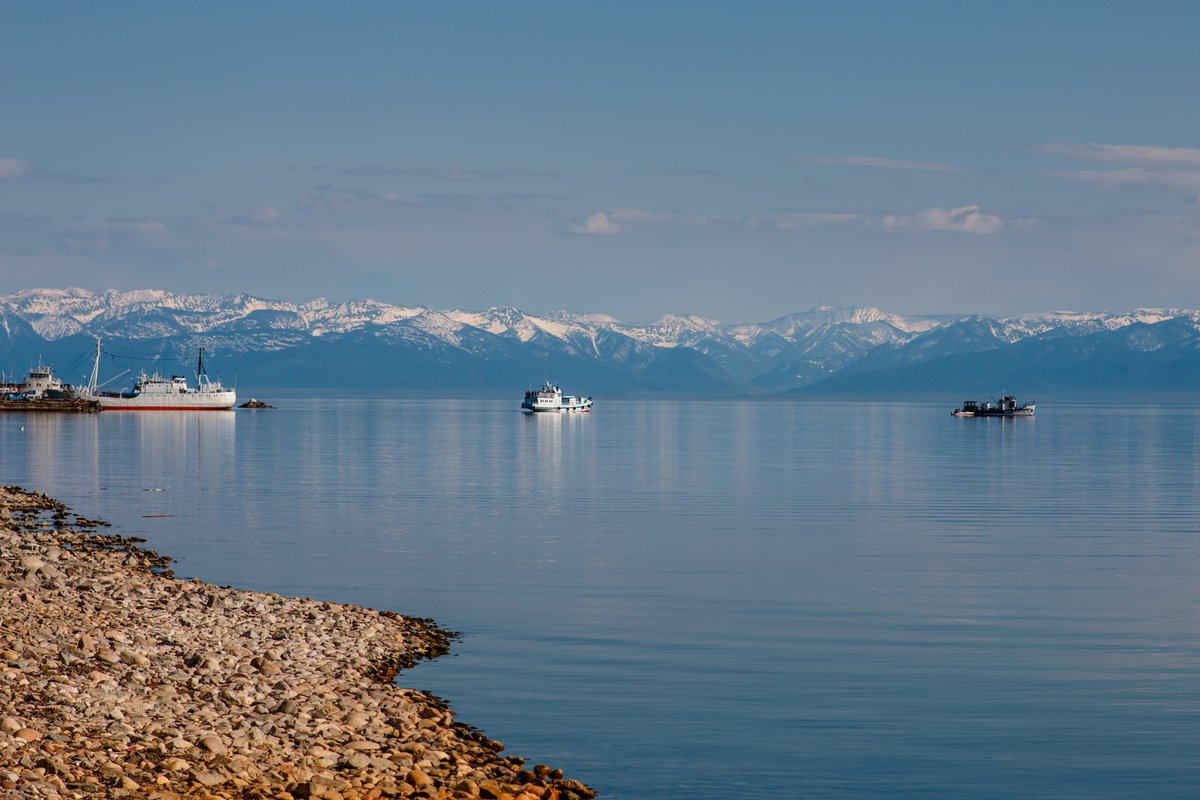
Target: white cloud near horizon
966, 219
876, 162
598, 223
618, 220
13, 168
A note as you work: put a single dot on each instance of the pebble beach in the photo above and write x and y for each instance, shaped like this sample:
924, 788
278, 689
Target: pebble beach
118, 679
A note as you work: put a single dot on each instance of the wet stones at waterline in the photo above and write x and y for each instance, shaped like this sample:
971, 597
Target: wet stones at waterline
118, 680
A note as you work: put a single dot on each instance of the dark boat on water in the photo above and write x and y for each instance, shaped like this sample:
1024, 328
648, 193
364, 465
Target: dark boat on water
1006, 407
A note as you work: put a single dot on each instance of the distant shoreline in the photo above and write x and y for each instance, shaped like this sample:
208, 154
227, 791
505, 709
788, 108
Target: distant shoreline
119, 680
49, 406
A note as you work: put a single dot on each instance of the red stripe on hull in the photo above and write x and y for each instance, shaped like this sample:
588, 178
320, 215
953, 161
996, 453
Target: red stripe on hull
166, 408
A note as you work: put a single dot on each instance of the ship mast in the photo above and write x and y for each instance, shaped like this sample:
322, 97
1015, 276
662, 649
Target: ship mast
95, 379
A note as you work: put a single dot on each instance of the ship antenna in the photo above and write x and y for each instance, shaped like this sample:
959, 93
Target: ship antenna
200, 366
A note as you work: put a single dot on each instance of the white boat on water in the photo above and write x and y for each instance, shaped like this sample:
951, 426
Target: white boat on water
155, 393
551, 398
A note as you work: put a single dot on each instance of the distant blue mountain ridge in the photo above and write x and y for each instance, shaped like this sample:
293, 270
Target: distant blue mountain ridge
364, 345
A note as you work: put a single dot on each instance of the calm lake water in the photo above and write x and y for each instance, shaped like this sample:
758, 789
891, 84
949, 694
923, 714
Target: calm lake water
719, 599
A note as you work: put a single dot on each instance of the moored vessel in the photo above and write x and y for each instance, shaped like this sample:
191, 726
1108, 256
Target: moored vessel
551, 398
1007, 406
156, 393
41, 384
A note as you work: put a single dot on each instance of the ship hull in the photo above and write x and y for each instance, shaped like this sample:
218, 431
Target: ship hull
556, 409
157, 393
1020, 413
216, 401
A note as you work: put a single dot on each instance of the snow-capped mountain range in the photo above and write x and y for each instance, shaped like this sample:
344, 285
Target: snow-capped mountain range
365, 344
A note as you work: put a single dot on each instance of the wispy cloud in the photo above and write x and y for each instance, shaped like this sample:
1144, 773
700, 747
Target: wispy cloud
136, 226
1145, 155
609, 222
257, 216
1185, 181
875, 162
616, 220
16, 169
679, 172
375, 171
967, 219
801, 220
521, 197
328, 198
1175, 169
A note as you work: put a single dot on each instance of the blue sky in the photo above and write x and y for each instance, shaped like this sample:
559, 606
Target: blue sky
734, 160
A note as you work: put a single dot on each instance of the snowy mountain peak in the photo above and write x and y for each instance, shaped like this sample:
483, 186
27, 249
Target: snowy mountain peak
790, 351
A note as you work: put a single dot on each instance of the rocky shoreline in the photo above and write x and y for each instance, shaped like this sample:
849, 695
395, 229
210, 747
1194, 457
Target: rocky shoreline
118, 680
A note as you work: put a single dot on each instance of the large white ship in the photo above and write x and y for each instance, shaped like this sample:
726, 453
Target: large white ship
551, 398
156, 393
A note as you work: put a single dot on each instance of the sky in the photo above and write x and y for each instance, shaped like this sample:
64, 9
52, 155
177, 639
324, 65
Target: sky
734, 160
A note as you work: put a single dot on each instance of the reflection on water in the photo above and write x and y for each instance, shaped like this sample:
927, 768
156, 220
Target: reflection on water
548, 456
39, 442
113, 457
720, 599
199, 444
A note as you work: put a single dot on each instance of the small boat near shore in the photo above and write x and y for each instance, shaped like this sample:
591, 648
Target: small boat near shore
1007, 406
42, 391
155, 393
551, 398
40, 384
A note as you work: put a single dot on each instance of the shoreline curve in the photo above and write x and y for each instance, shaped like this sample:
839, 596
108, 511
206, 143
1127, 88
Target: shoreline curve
118, 680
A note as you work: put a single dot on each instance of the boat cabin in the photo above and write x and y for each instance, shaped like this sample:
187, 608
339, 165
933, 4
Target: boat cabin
41, 383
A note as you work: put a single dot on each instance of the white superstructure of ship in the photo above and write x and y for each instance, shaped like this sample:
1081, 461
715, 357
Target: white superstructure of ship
41, 384
154, 392
551, 398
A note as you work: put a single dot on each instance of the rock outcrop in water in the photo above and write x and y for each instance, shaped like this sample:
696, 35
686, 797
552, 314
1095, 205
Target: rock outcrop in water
117, 680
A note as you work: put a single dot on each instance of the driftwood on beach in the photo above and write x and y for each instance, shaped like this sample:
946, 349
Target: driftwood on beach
118, 680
